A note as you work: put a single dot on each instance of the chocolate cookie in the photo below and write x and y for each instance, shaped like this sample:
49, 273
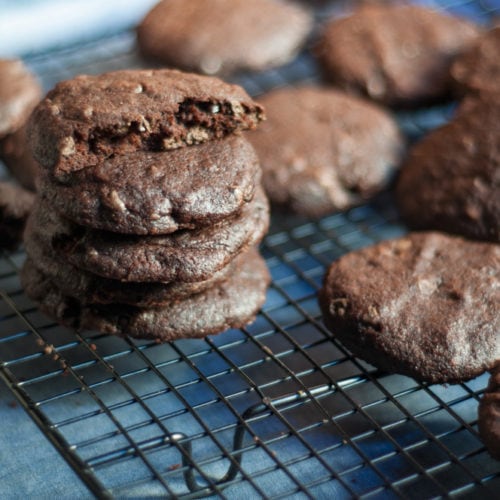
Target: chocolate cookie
221, 36
185, 256
93, 289
230, 304
19, 93
17, 156
322, 150
399, 55
425, 305
15, 206
158, 193
478, 68
451, 180
489, 414
87, 119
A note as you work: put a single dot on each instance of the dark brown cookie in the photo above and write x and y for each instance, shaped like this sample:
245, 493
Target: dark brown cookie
221, 36
185, 256
84, 120
93, 289
230, 304
322, 150
15, 206
17, 156
478, 68
19, 93
451, 180
159, 193
399, 55
425, 305
489, 414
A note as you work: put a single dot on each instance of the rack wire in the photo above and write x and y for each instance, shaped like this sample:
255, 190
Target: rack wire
275, 410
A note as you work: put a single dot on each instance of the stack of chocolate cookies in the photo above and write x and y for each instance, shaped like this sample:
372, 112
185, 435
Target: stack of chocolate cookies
149, 208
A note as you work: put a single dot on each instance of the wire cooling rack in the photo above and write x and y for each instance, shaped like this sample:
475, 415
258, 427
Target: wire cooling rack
275, 410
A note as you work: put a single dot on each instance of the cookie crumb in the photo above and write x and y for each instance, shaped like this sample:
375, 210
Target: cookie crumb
48, 349
267, 350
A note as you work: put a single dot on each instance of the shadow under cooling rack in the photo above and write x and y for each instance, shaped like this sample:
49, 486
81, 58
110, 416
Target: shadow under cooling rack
276, 410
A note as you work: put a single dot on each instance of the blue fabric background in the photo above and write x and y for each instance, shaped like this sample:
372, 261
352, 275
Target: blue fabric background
30, 467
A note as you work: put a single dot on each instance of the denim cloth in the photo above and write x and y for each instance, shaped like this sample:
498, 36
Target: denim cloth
30, 467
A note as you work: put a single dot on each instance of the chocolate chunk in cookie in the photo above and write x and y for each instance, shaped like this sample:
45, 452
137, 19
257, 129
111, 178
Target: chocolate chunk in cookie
230, 304
159, 193
221, 36
322, 150
399, 55
489, 414
451, 180
425, 305
478, 68
89, 118
19, 93
185, 256
15, 206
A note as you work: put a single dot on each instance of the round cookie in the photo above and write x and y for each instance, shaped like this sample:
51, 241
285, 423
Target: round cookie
451, 179
90, 288
478, 68
222, 36
399, 55
17, 156
489, 414
322, 150
425, 306
159, 193
89, 118
19, 93
185, 256
230, 304
15, 206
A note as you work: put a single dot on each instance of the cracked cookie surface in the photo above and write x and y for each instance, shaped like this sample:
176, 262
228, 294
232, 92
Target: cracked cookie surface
451, 179
184, 255
160, 192
222, 36
230, 304
424, 305
322, 150
399, 55
89, 118
478, 68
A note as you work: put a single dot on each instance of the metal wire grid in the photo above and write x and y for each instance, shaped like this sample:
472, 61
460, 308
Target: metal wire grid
278, 409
